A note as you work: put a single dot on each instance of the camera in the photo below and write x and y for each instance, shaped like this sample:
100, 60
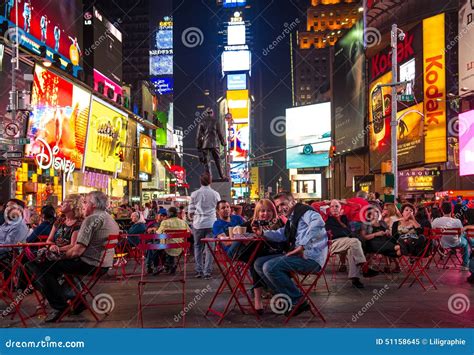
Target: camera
259, 223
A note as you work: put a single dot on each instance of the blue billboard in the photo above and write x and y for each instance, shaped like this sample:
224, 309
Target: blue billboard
236, 82
162, 86
234, 3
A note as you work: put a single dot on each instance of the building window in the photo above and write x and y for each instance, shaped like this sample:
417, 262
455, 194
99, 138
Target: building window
308, 88
308, 97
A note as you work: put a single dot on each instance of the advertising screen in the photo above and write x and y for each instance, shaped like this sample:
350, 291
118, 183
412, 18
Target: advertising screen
129, 152
106, 137
50, 25
407, 73
107, 55
239, 173
236, 81
236, 34
60, 117
239, 140
146, 156
466, 143
308, 130
111, 89
410, 135
161, 65
234, 3
235, 61
349, 77
466, 51
161, 48
163, 86
380, 108
238, 104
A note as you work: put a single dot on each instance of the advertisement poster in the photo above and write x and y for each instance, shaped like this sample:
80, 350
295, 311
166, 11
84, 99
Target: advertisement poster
60, 117
466, 143
349, 77
129, 156
380, 109
106, 137
161, 48
53, 25
239, 140
108, 84
146, 155
238, 103
466, 50
410, 135
308, 130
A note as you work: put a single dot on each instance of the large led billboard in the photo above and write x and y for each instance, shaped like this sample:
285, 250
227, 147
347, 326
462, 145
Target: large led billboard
108, 54
239, 141
111, 89
106, 137
308, 136
234, 3
146, 155
161, 48
466, 143
236, 81
53, 27
466, 51
410, 135
163, 86
236, 34
350, 101
59, 118
238, 104
128, 172
236, 61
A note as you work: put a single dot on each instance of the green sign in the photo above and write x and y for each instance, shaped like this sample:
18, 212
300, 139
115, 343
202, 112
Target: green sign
18, 141
406, 98
262, 163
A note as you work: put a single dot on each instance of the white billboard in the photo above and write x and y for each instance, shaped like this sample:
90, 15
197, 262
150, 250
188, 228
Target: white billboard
236, 34
235, 61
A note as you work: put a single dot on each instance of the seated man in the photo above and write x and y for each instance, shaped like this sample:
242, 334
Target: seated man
452, 241
308, 241
343, 241
152, 256
173, 222
82, 259
14, 230
226, 220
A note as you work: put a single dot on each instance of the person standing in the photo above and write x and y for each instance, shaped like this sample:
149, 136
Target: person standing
202, 211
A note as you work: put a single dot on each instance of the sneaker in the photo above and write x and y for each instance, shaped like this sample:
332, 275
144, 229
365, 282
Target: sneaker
197, 275
370, 273
356, 283
470, 279
302, 308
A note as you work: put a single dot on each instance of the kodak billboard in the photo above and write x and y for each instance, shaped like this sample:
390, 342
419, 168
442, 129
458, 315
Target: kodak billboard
434, 89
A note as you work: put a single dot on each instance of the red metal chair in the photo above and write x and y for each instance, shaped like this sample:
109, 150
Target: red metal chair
163, 242
124, 254
470, 238
87, 282
302, 281
449, 253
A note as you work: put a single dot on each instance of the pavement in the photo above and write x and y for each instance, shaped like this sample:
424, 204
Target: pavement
380, 304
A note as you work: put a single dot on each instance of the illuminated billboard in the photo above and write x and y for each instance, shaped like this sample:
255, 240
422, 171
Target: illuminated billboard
161, 48
146, 155
163, 86
234, 3
236, 34
239, 141
308, 136
51, 27
106, 137
236, 81
128, 172
466, 52
466, 143
410, 135
59, 118
110, 88
238, 104
236, 61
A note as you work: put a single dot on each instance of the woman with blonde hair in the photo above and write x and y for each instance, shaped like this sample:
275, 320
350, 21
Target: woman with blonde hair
390, 214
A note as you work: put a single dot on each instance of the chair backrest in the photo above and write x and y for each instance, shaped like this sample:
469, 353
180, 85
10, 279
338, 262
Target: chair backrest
438, 233
470, 233
164, 241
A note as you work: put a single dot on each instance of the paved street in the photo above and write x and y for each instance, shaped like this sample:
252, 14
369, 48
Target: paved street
398, 308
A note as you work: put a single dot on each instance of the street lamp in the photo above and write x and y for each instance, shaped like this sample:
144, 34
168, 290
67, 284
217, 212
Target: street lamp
396, 34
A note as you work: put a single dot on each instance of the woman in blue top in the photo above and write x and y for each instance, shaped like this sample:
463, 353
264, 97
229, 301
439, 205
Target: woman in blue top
138, 227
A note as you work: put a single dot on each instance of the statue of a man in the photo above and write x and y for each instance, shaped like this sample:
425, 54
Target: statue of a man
208, 140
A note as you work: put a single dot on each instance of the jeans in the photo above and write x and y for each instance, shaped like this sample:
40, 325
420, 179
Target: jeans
200, 249
275, 271
45, 278
466, 250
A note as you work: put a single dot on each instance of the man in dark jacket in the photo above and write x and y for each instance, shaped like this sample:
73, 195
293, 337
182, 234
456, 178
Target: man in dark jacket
209, 135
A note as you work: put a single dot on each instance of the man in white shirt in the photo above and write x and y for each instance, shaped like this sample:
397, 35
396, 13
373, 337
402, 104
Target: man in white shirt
202, 211
452, 241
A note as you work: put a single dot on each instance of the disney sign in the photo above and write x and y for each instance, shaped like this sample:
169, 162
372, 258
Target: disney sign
48, 158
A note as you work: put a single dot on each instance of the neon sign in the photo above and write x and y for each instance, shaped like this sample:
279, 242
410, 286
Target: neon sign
48, 158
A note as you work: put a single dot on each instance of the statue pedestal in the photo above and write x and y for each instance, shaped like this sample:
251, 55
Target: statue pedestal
223, 188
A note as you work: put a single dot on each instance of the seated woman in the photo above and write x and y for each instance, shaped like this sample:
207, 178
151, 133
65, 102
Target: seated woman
48, 216
408, 233
138, 227
377, 235
390, 214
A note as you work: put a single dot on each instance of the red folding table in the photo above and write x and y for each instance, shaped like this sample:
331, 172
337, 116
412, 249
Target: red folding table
8, 284
234, 272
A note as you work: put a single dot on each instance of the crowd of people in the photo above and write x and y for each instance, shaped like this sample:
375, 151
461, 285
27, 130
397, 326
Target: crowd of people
296, 237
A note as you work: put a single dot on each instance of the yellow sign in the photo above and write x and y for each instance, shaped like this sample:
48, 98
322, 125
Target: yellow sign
128, 172
145, 154
410, 135
434, 74
238, 103
255, 183
106, 137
